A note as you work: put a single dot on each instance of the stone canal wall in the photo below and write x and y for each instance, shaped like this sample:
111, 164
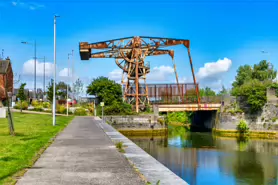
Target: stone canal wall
151, 169
135, 121
265, 120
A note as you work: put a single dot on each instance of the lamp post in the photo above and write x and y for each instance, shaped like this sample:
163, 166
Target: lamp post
43, 73
68, 83
54, 83
35, 64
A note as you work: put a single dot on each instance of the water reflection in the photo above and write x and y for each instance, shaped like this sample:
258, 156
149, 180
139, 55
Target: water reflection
201, 158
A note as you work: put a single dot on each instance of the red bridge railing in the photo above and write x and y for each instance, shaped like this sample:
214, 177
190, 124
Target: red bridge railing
177, 94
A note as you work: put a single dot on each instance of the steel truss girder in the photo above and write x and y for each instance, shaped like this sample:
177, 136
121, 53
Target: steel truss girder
132, 52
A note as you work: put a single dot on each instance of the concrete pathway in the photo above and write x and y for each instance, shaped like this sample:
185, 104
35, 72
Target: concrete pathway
82, 154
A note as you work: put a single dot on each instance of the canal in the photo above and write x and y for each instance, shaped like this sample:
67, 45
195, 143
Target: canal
202, 158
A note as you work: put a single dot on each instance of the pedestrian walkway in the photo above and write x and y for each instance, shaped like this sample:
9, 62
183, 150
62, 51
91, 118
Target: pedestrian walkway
82, 154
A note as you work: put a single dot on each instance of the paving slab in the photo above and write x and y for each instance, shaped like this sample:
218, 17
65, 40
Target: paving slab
151, 169
82, 154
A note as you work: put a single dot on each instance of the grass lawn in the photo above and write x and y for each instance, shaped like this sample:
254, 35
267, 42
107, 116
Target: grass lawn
33, 134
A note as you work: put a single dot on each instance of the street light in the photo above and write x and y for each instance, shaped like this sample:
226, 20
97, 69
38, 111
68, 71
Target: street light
35, 63
54, 84
68, 83
43, 73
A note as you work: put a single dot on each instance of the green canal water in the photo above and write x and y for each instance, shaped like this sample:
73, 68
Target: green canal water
203, 159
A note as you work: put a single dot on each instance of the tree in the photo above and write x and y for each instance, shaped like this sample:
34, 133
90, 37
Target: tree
106, 90
223, 91
62, 90
50, 91
21, 94
78, 87
206, 92
252, 83
244, 73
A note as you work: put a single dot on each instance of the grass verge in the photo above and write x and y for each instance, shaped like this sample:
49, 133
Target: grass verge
34, 132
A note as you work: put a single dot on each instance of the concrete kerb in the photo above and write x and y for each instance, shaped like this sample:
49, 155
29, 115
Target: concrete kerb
149, 167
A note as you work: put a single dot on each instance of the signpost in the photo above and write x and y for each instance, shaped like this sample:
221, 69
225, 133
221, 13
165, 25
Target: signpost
102, 105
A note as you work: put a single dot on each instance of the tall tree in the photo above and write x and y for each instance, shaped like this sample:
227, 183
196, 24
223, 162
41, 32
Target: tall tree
244, 73
50, 91
106, 90
21, 95
206, 92
78, 87
62, 90
223, 91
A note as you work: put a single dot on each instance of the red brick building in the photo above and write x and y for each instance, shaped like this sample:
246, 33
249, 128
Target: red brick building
6, 75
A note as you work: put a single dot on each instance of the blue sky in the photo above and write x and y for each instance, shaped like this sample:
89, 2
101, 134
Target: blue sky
225, 33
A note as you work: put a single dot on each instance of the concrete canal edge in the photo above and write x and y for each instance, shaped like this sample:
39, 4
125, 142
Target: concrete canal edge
149, 167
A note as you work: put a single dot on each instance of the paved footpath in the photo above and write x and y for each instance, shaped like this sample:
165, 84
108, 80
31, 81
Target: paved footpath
82, 154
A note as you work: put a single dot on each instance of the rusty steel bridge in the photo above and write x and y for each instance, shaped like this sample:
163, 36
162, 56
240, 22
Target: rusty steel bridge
130, 53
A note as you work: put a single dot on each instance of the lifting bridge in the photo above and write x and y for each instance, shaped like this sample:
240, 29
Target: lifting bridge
129, 54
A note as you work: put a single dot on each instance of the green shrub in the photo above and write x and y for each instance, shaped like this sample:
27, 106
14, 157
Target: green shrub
80, 112
274, 119
35, 103
46, 105
242, 126
38, 108
24, 105
117, 108
61, 109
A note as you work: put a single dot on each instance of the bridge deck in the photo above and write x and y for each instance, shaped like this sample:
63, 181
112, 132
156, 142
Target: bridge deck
188, 107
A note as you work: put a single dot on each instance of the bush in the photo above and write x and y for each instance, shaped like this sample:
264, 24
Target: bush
61, 109
24, 105
38, 108
80, 112
117, 108
242, 126
46, 105
35, 103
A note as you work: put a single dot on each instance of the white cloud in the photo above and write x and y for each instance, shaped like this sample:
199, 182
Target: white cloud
65, 72
161, 73
28, 68
30, 6
115, 75
213, 70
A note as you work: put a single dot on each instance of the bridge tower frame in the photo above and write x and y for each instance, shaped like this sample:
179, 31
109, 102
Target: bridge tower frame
132, 56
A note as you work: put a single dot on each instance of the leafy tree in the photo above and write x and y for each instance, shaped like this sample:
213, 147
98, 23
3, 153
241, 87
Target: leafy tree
106, 90
263, 71
206, 92
50, 91
244, 73
223, 91
62, 90
21, 95
252, 83
78, 87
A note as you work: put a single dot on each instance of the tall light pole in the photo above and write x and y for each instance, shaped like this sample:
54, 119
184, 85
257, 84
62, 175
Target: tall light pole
35, 64
43, 74
54, 83
72, 73
68, 80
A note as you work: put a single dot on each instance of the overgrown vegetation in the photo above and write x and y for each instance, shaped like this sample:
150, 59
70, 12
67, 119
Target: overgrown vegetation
120, 146
242, 127
252, 82
179, 118
33, 132
157, 183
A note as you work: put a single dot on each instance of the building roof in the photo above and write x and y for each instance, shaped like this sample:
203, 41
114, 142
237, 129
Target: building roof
4, 65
